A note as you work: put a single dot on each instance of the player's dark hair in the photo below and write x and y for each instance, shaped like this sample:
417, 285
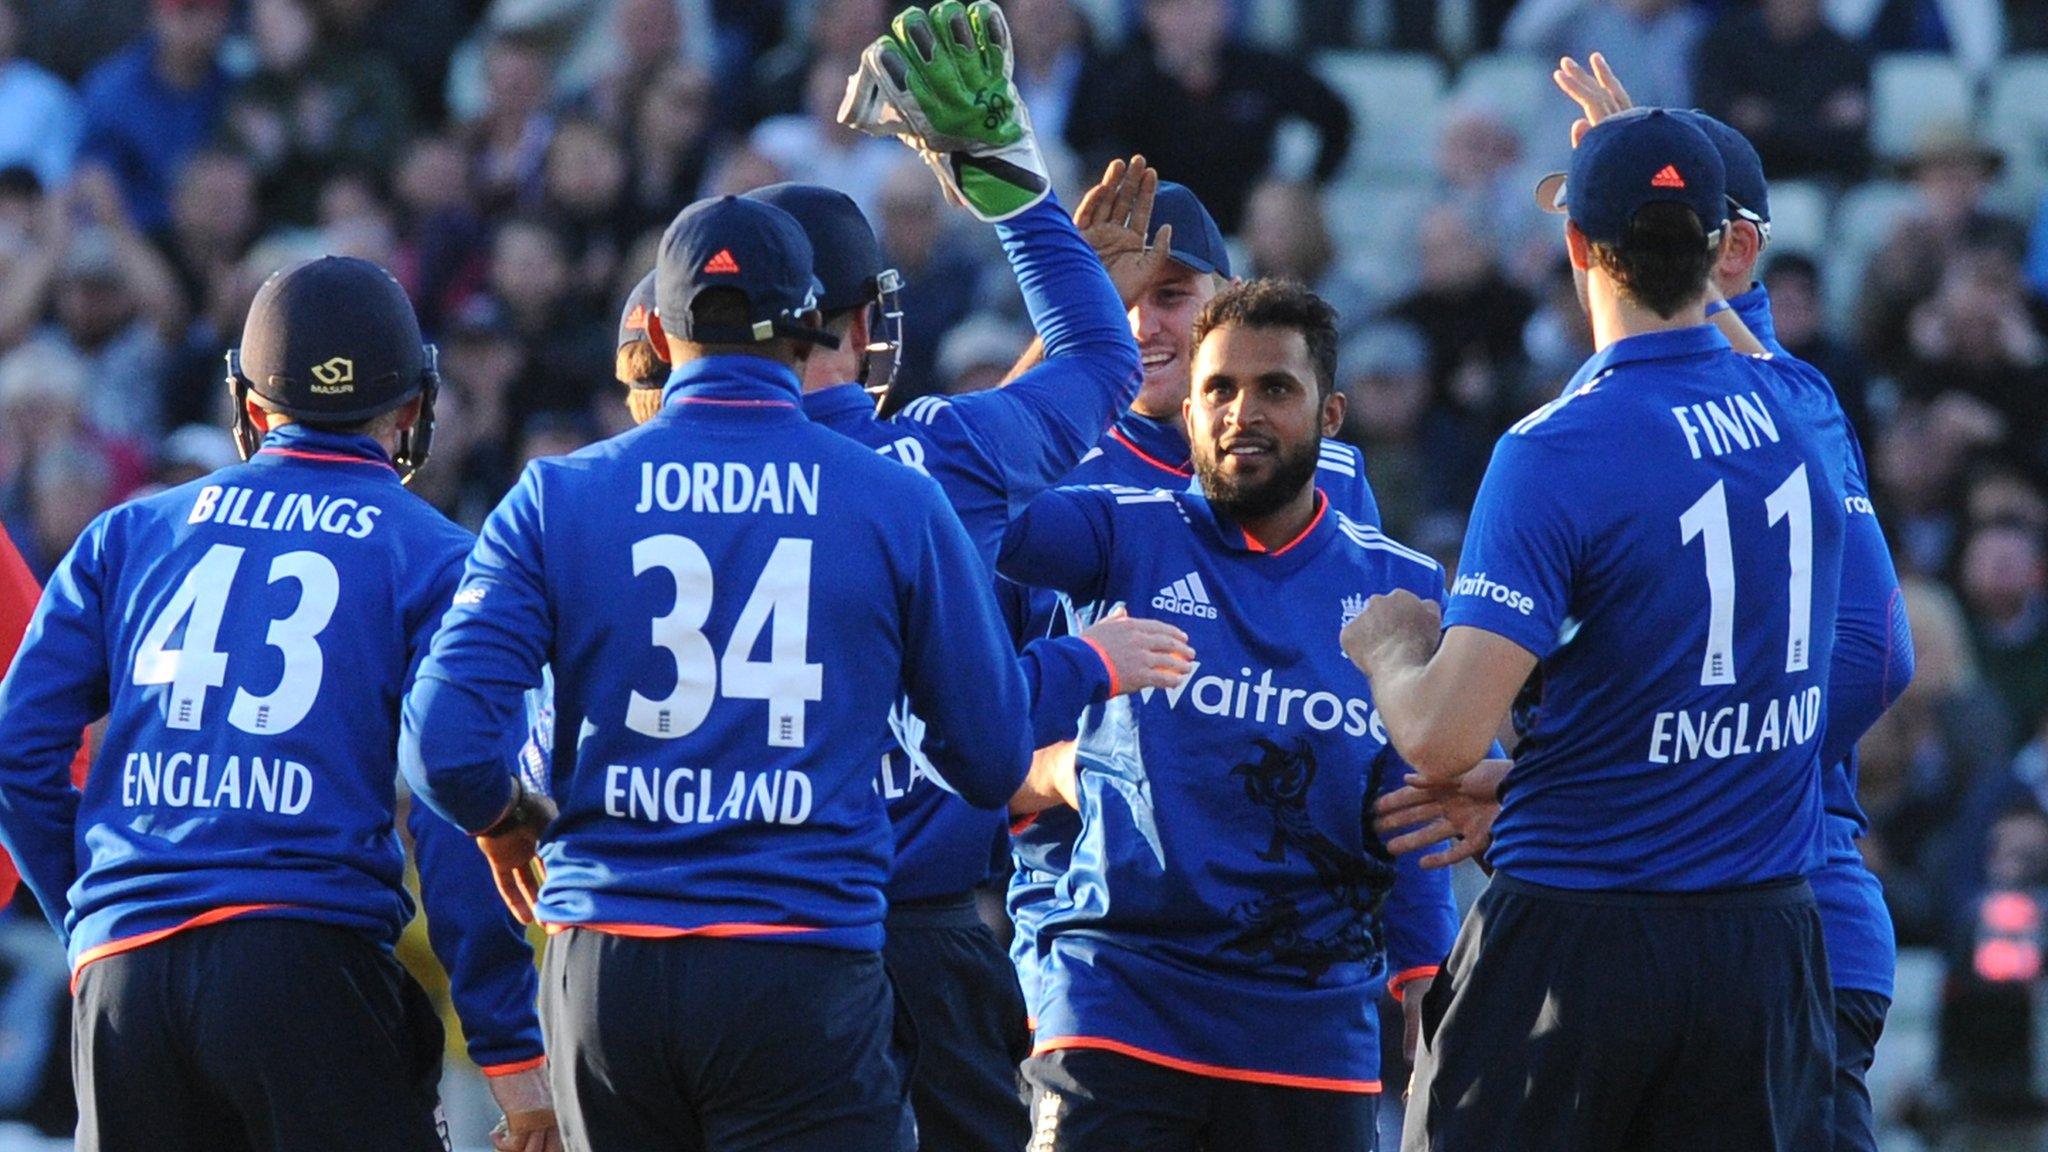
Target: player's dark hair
637, 364
1270, 303
1664, 260
727, 308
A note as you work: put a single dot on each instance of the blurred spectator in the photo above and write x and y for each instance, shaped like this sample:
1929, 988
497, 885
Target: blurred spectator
1053, 51
978, 353
835, 35
44, 389
313, 107
1288, 238
1918, 465
1205, 111
214, 218
1384, 372
109, 297
443, 246
1801, 320
70, 36
40, 118
156, 101
1478, 163
2004, 579
567, 350
1946, 733
584, 193
1798, 89
672, 130
1976, 338
68, 484
1472, 318
1557, 339
1951, 171
1650, 42
193, 451
737, 170
508, 142
646, 37
940, 280
554, 434
481, 361
2000, 494
419, 46
813, 147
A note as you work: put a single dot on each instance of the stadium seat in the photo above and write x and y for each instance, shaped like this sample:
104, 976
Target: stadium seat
1395, 100
1518, 89
1799, 216
1864, 220
1910, 93
2016, 118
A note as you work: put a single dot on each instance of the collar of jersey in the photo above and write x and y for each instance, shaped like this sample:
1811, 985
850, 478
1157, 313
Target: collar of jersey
1754, 307
732, 381
1159, 443
298, 442
1237, 539
839, 405
1698, 340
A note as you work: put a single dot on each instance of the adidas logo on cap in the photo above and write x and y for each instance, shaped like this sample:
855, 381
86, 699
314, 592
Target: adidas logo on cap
722, 264
1667, 177
1186, 597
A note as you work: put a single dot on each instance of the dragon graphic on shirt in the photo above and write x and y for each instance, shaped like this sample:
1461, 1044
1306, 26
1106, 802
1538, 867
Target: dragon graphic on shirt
1275, 926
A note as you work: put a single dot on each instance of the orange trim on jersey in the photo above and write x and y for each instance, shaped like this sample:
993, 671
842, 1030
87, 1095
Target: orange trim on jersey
329, 457
1402, 979
1322, 506
1249, 1076
1018, 825
513, 1068
131, 943
1147, 457
665, 932
1116, 687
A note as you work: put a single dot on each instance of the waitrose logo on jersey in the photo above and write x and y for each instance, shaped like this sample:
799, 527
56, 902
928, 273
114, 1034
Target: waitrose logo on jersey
1243, 697
1476, 584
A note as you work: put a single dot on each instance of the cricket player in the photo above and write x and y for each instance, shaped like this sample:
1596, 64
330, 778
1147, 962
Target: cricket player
732, 599
1662, 546
1210, 958
1873, 660
638, 364
228, 883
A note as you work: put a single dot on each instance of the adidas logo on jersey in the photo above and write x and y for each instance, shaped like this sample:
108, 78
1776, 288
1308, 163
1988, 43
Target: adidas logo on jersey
1186, 597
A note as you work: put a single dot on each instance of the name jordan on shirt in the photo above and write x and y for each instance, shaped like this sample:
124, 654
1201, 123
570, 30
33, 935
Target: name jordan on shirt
704, 486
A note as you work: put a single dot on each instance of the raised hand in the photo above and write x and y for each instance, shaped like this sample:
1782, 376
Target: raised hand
1115, 218
1141, 654
1598, 92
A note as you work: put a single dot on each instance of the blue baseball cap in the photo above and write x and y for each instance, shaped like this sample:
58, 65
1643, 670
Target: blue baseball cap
752, 248
845, 254
1638, 157
1748, 195
1197, 242
639, 306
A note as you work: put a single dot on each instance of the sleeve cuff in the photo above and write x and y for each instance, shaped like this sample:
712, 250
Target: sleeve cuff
1109, 668
1399, 984
513, 1067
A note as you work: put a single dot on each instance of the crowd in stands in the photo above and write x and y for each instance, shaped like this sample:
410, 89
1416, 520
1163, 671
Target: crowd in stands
514, 160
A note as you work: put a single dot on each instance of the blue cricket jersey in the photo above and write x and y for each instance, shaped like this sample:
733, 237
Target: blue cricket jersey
990, 453
1666, 538
1227, 909
1138, 452
250, 636
731, 599
1873, 663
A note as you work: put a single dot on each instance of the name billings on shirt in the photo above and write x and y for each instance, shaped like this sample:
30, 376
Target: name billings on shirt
788, 488
284, 511
1733, 424
1716, 734
696, 795
202, 780
1262, 702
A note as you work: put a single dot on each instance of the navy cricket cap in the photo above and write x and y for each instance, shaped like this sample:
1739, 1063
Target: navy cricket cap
754, 249
1638, 157
639, 306
1742, 167
332, 340
845, 255
1197, 242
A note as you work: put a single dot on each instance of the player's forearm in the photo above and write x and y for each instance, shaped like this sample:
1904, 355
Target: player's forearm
1065, 676
1049, 784
451, 748
1073, 305
1426, 720
484, 950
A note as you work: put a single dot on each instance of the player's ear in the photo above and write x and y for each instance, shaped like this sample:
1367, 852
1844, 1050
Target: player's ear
408, 414
258, 415
1333, 411
1576, 246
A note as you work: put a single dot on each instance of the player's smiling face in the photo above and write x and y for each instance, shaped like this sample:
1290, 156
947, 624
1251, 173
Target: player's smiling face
1255, 421
1163, 321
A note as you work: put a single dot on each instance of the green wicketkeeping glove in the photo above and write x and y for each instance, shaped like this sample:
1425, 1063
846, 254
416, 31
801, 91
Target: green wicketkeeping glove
940, 81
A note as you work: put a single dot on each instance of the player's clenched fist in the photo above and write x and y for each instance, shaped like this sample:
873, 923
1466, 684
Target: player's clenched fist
1393, 622
1141, 654
512, 846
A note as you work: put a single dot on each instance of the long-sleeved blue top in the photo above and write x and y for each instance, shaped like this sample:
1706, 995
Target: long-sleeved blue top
731, 599
991, 453
249, 636
1873, 663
